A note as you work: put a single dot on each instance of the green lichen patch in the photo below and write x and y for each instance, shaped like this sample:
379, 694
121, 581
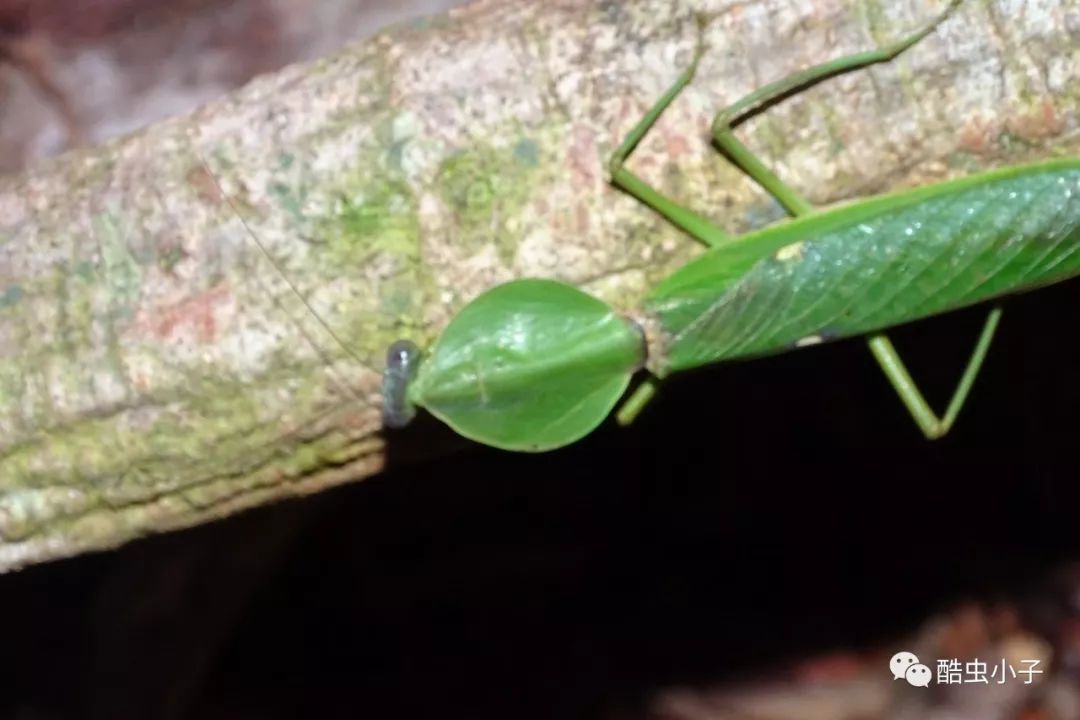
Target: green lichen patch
485, 188
371, 233
11, 296
374, 215
527, 152
122, 272
222, 439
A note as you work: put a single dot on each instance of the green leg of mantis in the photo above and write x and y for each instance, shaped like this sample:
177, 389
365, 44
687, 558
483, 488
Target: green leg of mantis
888, 359
697, 226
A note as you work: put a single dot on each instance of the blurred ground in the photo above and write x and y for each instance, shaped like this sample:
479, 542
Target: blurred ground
756, 548
998, 668
88, 70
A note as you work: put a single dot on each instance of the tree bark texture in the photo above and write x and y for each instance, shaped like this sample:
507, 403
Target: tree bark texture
156, 370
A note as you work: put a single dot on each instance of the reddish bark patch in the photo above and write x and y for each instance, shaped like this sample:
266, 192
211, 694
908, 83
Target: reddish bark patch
203, 183
194, 317
582, 219
1042, 122
976, 135
676, 146
581, 158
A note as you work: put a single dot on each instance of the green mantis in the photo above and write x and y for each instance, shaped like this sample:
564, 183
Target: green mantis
533, 365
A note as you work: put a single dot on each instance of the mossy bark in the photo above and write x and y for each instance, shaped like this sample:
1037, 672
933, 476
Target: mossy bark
156, 371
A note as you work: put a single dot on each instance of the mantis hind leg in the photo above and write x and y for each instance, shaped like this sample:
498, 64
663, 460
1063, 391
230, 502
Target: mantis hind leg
696, 225
777, 90
894, 369
701, 229
879, 344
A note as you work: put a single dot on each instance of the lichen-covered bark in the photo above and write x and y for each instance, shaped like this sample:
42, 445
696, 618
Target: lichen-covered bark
155, 369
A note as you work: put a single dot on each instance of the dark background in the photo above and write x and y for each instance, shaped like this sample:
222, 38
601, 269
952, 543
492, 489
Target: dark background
757, 513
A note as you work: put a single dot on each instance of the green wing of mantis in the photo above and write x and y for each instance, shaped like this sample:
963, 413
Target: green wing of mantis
881, 262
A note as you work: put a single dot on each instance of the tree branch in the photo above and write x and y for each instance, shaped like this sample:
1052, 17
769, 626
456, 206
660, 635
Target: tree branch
155, 369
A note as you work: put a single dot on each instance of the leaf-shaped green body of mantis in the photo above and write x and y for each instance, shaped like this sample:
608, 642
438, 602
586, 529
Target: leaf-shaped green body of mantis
854, 269
537, 364
529, 365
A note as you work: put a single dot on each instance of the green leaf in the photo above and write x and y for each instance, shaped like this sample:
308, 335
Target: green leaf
529, 365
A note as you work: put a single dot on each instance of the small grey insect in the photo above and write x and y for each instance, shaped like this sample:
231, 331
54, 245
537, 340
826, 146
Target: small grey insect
402, 362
